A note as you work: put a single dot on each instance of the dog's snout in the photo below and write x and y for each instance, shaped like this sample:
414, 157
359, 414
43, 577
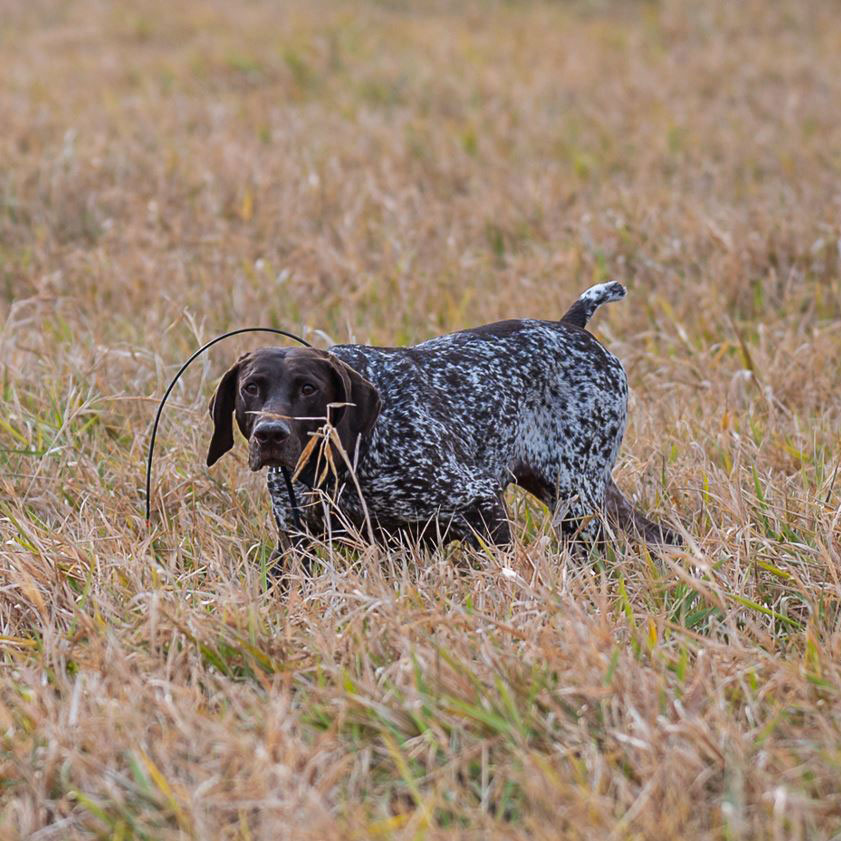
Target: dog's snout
271, 432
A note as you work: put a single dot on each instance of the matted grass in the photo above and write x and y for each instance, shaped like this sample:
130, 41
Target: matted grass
385, 172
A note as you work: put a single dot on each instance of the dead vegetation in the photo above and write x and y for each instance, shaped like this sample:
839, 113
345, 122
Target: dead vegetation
387, 171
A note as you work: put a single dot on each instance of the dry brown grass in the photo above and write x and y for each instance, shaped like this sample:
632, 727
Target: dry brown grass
387, 172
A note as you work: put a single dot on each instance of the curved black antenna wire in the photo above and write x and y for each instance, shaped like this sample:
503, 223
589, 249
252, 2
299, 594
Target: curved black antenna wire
161, 405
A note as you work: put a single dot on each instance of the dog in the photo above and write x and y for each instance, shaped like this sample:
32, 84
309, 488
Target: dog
425, 439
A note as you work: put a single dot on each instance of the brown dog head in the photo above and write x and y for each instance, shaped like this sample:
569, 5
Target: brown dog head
281, 396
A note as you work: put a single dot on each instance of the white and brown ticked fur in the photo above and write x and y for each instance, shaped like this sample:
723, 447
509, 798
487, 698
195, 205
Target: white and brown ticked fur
439, 430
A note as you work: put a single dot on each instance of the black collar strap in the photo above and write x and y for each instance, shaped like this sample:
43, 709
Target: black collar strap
293, 501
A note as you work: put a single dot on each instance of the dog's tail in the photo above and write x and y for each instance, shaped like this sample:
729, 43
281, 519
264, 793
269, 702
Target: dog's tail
588, 302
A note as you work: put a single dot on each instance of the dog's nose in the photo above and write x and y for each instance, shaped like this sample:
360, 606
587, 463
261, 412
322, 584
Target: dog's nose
271, 432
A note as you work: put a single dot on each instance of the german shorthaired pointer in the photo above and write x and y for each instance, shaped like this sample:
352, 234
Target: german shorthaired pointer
438, 431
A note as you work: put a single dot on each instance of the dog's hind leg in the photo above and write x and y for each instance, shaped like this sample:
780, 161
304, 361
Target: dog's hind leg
621, 513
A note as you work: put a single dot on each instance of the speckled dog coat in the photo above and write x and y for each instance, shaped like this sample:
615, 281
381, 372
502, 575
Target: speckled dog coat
462, 416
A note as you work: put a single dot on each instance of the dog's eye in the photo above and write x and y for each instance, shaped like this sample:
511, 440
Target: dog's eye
307, 389
252, 389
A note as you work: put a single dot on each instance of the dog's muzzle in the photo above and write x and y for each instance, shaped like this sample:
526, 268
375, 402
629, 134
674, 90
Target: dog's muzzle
269, 445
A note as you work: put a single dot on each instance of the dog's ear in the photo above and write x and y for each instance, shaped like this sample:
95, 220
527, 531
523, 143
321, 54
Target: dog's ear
359, 418
222, 411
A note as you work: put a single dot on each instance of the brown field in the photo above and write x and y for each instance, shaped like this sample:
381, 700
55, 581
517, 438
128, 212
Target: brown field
385, 172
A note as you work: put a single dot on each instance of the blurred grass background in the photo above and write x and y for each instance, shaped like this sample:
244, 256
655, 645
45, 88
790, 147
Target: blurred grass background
384, 172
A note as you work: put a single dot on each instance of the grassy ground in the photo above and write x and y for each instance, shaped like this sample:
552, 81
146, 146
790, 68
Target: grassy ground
385, 173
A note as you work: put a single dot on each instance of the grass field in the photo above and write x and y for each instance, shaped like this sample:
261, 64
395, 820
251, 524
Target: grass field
385, 172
